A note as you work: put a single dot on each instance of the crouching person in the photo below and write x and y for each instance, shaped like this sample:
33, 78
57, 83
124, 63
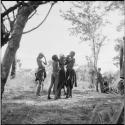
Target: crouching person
105, 88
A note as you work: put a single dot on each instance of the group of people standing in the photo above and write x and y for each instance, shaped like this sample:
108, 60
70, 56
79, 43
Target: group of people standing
63, 75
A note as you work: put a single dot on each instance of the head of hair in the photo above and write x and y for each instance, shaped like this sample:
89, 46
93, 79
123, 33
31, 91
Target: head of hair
55, 57
72, 53
99, 69
41, 55
61, 56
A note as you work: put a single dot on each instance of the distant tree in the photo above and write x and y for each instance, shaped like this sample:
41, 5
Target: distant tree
117, 49
87, 23
116, 5
91, 71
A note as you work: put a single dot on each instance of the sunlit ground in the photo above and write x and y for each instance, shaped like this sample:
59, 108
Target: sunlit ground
21, 106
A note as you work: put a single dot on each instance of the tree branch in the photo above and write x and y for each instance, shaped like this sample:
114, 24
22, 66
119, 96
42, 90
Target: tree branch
11, 9
5, 10
41, 22
32, 15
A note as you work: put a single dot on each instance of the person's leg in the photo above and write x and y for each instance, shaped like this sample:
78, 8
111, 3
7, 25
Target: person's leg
51, 85
61, 81
97, 85
67, 87
38, 88
59, 87
44, 74
64, 84
36, 75
75, 79
67, 93
71, 82
101, 85
71, 92
70, 89
59, 90
56, 85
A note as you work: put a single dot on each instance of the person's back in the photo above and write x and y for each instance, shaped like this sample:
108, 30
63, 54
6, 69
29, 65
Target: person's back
62, 62
39, 62
70, 62
99, 75
41, 67
55, 66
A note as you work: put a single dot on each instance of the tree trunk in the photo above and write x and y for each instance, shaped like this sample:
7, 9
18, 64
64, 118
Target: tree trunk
95, 60
13, 44
13, 68
94, 54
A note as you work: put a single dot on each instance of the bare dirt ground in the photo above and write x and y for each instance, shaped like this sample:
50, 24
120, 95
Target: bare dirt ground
20, 105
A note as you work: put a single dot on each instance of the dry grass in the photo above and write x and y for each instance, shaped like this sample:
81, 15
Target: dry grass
20, 105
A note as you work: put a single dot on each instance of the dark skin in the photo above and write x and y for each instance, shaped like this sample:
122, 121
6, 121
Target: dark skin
70, 64
39, 61
54, 76
40, 65
62, 79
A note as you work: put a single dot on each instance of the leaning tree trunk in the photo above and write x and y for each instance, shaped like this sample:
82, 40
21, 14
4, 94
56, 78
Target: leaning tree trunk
13, 44
13, 68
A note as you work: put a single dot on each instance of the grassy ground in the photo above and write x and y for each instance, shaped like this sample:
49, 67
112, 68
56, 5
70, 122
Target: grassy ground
20, 105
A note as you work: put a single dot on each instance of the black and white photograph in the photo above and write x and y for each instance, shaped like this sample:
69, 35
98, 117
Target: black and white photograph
62, 62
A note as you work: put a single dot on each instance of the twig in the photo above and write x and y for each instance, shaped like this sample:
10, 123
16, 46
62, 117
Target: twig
32, 15
14, 17
41, 22
11, 9
5, 10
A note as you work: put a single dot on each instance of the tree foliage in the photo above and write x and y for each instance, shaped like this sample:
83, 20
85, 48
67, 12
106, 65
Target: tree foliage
87, 23
9, 15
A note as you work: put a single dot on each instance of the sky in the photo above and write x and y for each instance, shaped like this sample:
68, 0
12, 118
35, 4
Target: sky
53, 37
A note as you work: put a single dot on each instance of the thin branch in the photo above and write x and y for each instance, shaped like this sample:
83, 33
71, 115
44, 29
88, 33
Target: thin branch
14, 17
5, 10
11, 9
41, 22
32, 14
